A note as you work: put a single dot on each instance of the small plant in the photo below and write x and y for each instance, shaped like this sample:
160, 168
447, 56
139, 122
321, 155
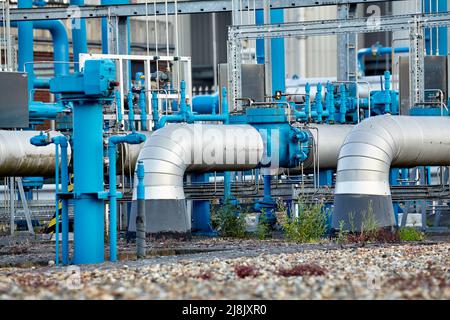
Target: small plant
263, 229
244, 271
410, 234
307, 269
342, 236
229, 221
309, 226
369, 224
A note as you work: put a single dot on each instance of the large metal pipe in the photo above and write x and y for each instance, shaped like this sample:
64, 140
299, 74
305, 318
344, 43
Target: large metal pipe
18, 157
327, 141
180, 148
370, 150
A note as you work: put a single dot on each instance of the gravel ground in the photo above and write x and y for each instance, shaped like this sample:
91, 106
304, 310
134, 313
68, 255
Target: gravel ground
245, 269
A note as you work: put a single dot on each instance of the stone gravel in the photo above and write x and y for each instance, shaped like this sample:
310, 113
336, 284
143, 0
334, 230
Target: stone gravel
407, 271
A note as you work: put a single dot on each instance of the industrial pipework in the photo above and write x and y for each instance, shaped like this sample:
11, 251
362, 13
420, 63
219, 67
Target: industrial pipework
370, 150
88, 91
180, 148
19, 158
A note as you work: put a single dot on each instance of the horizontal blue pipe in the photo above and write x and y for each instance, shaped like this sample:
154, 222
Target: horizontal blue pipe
377, 52
206, 104
41, 83
43, 111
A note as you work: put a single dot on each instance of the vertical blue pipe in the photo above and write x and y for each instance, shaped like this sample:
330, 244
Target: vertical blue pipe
25, 43
88, 164
227, 174
112, 202
259, 19
183, 106
331, 108
318, 103
142, 100
105, 23
277, 47
436, 6
278, 59
387, 92
119, 105
443, 31
140, 186
155, 111
143, 107
56, 204
65, 202
79, 38
267, 191
307, 100
343, 103
130, 110
60, 43
201, 218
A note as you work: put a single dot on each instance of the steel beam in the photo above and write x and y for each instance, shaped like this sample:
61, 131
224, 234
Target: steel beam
337, 26
411, 22
184, 7
346, 47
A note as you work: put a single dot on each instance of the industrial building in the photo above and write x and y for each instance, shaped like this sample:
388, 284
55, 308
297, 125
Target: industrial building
127, 123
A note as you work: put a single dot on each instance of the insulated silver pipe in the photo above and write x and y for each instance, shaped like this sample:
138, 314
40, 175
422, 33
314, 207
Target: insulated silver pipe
180, 148
327, 140
370, 150
18, 157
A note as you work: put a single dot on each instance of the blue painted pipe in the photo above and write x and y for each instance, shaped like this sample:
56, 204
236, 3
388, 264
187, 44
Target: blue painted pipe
60, 46
119, 105
79, 38
133, 138
436, 6
155, 111
387, 91
277, 50
318, 103
330, 107
41, 83
185, 114
88, 165
206, 104
307, 100
56, 205
343, 103
130, 110
142, 100
140, 172
60, 43
59, 141
62, 141
278, 59
42, 111
25, 40
260, 56
105, 23
377, 51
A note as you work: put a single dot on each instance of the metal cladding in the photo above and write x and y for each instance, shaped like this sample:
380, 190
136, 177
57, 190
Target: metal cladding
18, 157
327, 141
127, 155
370, 150
179, 148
